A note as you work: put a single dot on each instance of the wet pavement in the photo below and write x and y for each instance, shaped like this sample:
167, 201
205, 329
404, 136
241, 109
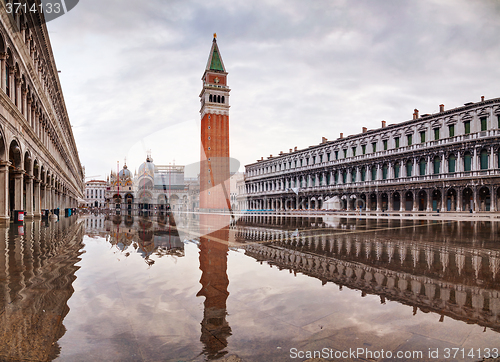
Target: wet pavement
262, 288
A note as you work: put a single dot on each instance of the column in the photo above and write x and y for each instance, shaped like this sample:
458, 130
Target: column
24, 103
415, 201
402, 199
429, 200
43, 196
48, 198
17, 88
379, 199
475, 197
459, 199
37, 199
474, 163
11, 83
493, 198
3, 60
444, 205
29, 197
491, 162
459, 167
18, 193
28, 111
390, 197
4, 192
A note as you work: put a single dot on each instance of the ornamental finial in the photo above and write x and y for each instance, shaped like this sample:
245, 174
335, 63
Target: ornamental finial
215, 35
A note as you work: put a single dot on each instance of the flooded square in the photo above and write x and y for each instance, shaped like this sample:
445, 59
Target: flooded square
263, 288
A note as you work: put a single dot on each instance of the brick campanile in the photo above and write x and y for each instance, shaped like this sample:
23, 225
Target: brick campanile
214, 158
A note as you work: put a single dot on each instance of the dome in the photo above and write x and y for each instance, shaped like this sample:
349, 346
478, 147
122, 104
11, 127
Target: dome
147, 168
125, 173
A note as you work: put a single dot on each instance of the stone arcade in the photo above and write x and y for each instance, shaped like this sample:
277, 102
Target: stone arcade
447, 161
39, 164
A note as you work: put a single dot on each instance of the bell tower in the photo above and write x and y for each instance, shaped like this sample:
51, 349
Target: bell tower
214, 158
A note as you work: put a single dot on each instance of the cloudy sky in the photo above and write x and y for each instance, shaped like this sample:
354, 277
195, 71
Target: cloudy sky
298, 70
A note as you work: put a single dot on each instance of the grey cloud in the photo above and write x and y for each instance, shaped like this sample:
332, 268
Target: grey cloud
301, 69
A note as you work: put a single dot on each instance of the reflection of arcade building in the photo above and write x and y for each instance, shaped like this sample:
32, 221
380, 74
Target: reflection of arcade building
154, 189
455, 280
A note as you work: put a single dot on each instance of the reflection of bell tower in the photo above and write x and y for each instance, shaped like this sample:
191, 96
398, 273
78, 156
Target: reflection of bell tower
214, 158
213, 263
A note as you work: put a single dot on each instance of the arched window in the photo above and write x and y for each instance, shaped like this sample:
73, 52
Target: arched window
484, 160
451, 163
210, 98
437, 165
409, 168
218, 99
363, 174
374, 173
423, 164
384, 172
344, 177
353, 175
396, 170
467, 161
223, 99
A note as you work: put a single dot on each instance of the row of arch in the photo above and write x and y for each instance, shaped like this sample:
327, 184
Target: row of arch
482, 121
23, 92
483, 155
418, 166
454, 199
26, 184
216, 98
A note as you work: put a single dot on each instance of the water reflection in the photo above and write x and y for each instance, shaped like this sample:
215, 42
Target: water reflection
153, 238
213, 246
451, 268
150, 237
37, 268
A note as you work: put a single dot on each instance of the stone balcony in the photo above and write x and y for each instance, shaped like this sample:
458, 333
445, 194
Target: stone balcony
377, 183
395, 152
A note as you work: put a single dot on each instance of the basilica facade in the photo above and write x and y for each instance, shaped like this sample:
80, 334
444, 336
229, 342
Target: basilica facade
152, 189
39, 164
447, 161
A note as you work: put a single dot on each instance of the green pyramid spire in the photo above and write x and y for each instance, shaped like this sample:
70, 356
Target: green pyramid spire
216, 63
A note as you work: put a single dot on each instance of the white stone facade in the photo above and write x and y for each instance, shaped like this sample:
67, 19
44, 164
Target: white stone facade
447, 161
39, 164
95, 194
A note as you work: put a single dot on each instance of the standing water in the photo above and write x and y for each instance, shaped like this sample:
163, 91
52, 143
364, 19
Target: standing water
264, 288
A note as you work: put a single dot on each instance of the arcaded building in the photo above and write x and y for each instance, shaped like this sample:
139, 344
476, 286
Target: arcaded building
448, 161
39, 163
